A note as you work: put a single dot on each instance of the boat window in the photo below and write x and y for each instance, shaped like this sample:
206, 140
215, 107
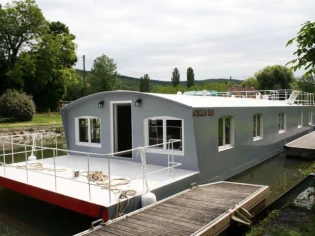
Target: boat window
257, 127
300, 119
310, 117
88, 131
282, 123
161, 130
225, 133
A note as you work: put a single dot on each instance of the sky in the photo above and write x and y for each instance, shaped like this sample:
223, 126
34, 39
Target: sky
217, 38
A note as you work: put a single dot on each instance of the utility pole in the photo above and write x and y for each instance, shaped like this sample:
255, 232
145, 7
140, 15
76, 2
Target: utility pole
83, 75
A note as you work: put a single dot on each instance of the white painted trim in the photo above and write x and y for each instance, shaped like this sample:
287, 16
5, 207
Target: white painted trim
164, 150
281, 131
111, 110
310, 117
76, 130
261, 136
231, 145
226, 147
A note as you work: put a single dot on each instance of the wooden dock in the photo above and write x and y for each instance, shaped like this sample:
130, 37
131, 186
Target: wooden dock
204, 210
302, 147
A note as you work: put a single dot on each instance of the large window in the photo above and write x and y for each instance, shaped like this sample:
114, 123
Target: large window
258, 127
282, 123
88, 131
300, 119
225, 131
161, 130
310, 117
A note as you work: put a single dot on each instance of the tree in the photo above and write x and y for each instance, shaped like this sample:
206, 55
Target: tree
274, 77
175, 77
144, 83
251, 82
306, 83
103, 76
22, 22
190, 77
305, 53
36, 56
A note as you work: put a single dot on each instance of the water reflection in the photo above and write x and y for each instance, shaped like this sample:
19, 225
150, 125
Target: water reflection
280, 173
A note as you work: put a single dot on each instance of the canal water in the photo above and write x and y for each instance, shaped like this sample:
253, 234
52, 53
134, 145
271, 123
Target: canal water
22, 215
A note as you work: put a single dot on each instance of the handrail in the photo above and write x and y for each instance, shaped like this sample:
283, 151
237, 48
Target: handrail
171, 163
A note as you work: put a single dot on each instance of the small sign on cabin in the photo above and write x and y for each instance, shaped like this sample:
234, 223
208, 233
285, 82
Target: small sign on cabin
203, 112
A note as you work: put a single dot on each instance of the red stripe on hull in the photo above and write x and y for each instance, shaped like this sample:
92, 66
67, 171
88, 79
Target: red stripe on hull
83, 207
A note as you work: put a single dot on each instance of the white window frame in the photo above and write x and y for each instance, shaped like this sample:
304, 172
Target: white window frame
260, 137
300, 119
231, 145
281, 131
163, 150
77, 138
310, 117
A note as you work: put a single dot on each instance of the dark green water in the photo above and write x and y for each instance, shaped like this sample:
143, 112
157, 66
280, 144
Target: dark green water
22, 215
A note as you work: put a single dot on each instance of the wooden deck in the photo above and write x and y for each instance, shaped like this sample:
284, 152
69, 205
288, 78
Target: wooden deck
204, 210
302, 147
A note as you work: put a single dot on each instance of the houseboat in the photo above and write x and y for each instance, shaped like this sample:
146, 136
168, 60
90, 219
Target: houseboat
139, 142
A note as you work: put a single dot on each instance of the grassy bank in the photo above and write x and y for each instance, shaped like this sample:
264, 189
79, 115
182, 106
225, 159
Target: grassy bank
44, 119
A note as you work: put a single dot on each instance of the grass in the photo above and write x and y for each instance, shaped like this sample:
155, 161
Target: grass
44, 119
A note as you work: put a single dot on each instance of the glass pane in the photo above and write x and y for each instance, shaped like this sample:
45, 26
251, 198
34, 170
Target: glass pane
220, 131
174, 131
227, 131
258, 125
83, 130
95, 129
155, 132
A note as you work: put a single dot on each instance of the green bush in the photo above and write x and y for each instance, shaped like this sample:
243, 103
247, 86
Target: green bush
18, 106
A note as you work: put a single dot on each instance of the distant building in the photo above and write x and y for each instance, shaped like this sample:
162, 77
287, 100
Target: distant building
241, 90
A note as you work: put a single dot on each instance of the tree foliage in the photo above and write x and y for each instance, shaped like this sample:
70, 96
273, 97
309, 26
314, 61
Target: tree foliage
175, 77
274, 77
18, 106
144, 83
305, 53
306, 83
36, 56
221, 87
103, 76
190, 77
251, 82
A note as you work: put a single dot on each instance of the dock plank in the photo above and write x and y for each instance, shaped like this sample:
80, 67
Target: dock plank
183, 214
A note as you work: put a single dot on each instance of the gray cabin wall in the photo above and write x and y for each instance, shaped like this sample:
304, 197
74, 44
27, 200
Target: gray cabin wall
151, 106
218, 165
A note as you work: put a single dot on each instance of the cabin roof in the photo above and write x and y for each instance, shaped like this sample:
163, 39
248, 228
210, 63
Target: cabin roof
212, 101
192, 101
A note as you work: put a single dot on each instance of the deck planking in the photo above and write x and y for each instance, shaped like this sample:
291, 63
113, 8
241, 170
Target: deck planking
184, 213
302, 147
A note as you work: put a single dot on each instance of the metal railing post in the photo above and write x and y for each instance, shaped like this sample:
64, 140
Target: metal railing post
26, 168
54, 153
3, 150
42, 146
88, 157
173, 160
109, 195
12, 149
56, 144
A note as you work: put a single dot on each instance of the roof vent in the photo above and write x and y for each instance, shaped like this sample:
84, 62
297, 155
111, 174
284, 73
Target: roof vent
179, 93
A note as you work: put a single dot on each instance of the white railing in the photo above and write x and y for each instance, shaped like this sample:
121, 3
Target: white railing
303, 98
9, 150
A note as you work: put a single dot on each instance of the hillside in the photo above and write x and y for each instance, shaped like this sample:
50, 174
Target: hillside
131, 83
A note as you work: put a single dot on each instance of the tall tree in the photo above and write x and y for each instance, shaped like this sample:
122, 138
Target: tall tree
306, 83
274, 77
305, 53
175, 77
145, 83
22, 22
103, 76
251, 82
190, 77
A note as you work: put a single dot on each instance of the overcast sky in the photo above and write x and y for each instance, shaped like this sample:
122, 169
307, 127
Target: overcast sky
217, 38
